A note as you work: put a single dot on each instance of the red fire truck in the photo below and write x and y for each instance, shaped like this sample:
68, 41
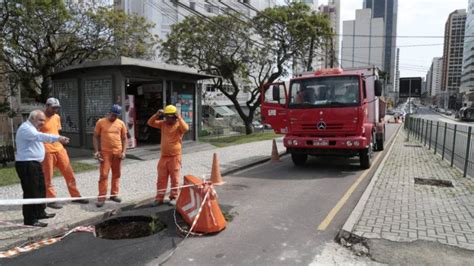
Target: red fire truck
332, 112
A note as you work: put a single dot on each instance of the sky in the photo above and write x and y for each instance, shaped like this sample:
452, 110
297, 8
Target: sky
415, 18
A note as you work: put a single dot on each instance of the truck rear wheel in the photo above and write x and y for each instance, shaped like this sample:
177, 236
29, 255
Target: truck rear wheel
365, 157
299, 159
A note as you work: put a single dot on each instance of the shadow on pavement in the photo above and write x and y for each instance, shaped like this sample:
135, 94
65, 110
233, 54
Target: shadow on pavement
315, 168
89, 250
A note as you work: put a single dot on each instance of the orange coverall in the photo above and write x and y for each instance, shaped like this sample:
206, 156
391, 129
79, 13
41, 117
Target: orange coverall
56, 156
170, 158
111, 134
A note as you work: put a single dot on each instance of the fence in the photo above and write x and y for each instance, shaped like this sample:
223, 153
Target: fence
452, 141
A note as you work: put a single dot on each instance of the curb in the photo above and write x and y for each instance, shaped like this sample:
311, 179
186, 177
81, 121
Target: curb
127, 206
240, 168
348, 227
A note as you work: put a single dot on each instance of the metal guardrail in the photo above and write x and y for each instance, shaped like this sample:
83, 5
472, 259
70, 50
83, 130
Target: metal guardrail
452, 141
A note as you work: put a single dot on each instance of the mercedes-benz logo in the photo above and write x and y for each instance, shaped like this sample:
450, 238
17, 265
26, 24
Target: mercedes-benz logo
321, 125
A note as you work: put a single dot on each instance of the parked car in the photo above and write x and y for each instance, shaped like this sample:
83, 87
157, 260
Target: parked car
267, 126
441, 110
448, 112
257, 125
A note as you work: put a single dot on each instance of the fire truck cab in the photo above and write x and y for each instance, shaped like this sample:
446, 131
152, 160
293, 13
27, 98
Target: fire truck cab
328, 112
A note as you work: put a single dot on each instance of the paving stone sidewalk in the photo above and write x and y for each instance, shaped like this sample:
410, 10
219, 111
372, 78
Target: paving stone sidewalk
138, 183
400, 210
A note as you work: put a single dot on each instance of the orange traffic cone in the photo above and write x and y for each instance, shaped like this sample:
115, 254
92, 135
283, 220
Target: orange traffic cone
207, 217
275, 154
216, 177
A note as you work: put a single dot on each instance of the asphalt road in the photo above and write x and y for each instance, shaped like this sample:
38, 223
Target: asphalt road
427, 113
277, 210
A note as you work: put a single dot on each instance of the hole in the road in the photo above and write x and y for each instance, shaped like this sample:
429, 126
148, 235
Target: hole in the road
433, 182
127, 227
413, 145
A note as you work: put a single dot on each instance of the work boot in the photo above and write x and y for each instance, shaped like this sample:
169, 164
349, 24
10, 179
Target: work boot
37, 223
172, 202
99, 204
116, 199
81, 201
55, 205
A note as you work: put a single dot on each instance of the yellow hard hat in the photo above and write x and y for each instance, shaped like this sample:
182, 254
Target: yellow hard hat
170, 110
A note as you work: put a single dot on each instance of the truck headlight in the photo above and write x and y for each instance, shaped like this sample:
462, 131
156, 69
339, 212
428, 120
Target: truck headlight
349, 143
289, 142
356, 143
295, 142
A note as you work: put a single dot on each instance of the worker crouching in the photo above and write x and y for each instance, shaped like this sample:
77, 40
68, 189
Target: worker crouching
172, 128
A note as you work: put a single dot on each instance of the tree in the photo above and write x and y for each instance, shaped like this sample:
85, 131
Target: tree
42, 36
244, 54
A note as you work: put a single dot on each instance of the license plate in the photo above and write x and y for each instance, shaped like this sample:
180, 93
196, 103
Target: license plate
320, 143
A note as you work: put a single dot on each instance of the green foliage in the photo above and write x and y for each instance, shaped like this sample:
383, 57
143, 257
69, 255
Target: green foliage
241, 139
43, 36
246, 53
8, 174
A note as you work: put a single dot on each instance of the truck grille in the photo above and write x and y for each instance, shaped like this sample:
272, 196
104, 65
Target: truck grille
329, 126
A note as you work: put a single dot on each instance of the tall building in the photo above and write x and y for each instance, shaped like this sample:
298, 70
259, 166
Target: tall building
329, 53
396, 83
388, 10
436, 71
363, 42
467, 77
453, 56
164, 13
428, 81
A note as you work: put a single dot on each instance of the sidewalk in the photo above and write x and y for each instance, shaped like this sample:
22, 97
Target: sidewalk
138, 183
395, 208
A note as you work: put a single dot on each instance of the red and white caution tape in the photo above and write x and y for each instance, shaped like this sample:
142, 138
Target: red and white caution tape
42, 243
13, 202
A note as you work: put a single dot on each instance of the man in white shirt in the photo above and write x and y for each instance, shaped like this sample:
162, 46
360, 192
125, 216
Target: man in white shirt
30, 154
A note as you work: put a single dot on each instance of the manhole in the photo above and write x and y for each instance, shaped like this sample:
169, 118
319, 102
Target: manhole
433, 182
127, 227
413, 145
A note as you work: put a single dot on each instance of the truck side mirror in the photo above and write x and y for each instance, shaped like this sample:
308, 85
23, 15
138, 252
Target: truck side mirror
378, 88
276, 93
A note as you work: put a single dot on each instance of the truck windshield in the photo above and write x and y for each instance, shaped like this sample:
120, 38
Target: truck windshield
325, 92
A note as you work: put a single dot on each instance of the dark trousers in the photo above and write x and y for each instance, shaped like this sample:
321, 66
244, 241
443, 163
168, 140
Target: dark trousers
32, 183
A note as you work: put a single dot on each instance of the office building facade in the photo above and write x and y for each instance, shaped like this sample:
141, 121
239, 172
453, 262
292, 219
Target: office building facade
388, 10
363, 42
453, 57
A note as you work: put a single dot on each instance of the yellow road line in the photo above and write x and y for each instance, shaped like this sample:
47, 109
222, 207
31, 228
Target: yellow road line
325, 223
346, 196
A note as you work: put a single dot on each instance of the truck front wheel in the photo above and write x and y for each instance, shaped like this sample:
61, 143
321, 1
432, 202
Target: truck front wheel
366, 158
299, 159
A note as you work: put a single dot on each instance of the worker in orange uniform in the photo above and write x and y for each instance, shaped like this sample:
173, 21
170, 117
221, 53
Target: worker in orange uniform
56, 156
172, 128
110, 146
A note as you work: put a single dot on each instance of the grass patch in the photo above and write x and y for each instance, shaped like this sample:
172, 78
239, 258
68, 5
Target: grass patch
241, 139
8, 174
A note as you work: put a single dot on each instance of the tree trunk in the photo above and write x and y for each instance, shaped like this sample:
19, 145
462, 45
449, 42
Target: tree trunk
46, 88
309, 67
248, 127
